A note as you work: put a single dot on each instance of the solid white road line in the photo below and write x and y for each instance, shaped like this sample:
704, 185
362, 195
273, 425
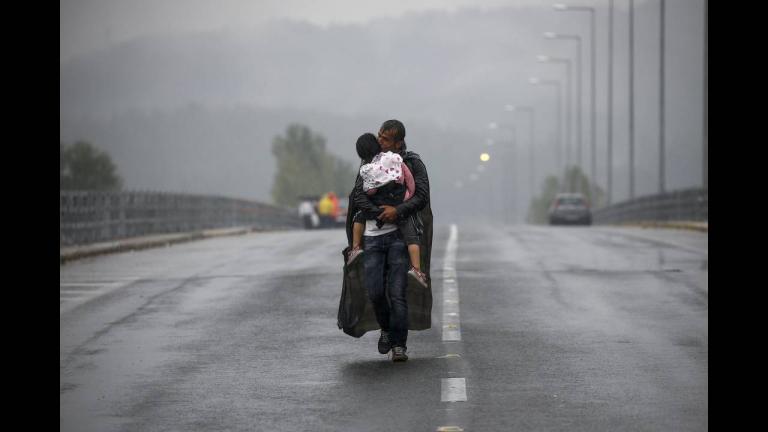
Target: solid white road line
451, 318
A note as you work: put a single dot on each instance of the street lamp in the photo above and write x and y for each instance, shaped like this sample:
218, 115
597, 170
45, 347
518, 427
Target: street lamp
516, 189
568, 105
609, 137
662, 169
577, 38
705, 109
559, 121
631, 99
532, 146
564, 8
511, 171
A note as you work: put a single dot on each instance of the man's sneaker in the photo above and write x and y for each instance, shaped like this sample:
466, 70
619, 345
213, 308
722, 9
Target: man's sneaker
418, 276
398, 354
354, 253
384, 344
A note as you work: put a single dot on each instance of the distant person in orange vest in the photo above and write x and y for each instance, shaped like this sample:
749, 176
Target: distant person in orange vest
335, 204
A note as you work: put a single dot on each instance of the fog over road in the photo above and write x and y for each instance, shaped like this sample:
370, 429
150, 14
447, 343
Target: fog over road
562, 328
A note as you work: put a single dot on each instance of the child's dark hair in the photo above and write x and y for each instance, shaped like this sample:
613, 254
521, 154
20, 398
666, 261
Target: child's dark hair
367, 147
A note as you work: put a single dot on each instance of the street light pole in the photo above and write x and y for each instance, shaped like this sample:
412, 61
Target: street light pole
577, 38
533, 153
662, 178
568, 140
511, 172
593, 121
515, 183
705, 122
631, 99
532, 145
559, 106
593, 116
609, 167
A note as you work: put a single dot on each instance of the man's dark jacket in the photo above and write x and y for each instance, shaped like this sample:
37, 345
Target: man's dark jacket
392, 194
356, 316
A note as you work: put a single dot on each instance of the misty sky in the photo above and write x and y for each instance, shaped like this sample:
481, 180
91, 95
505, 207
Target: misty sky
187, 95
87, 25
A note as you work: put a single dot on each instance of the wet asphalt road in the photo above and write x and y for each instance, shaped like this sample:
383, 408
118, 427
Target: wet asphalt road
562, 328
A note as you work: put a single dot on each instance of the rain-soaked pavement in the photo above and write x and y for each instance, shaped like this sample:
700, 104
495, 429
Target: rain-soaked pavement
562, 328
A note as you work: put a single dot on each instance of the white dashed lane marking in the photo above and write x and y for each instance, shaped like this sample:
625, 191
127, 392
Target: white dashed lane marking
453, 390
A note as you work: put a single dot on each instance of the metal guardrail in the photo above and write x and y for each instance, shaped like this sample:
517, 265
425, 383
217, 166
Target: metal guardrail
89, 216
682, 205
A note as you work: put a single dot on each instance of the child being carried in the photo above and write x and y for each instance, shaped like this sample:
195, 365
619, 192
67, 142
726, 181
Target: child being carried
387, 181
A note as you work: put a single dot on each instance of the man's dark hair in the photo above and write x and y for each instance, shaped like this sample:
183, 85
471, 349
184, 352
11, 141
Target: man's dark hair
397, 126
367, 147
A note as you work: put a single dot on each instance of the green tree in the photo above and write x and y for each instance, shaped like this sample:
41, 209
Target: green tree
305, 168
537, 212
344, 178
84, 167
575, 181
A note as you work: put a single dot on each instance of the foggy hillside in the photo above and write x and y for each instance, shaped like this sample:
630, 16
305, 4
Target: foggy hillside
227, 151
197, 112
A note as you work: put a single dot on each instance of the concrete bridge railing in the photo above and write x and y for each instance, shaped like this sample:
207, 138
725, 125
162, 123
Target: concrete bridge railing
89, 216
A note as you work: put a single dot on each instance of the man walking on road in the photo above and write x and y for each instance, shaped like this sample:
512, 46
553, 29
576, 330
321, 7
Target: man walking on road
385, 248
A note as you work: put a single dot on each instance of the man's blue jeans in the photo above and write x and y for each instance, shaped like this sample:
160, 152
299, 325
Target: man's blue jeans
387, 252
